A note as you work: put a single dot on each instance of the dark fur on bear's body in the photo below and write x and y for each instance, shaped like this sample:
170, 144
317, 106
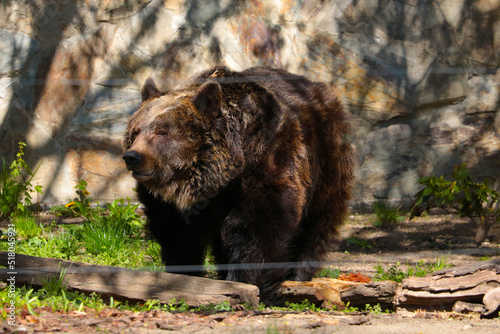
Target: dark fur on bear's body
253, 163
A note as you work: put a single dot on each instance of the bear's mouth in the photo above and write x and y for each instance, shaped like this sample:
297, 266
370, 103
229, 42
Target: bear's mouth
142, 176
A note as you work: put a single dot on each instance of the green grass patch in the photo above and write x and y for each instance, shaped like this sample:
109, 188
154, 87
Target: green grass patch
328, 273
386, 213
420, 269
27, 226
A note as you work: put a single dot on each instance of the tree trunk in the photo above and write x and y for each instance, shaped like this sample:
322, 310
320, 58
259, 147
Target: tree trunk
482, 231
122, 283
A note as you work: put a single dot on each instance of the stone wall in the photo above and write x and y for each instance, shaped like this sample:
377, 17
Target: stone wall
420, 77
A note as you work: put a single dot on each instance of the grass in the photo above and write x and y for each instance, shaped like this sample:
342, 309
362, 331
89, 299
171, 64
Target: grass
328, 273
420, 269
53, 285
386, 213
27, 226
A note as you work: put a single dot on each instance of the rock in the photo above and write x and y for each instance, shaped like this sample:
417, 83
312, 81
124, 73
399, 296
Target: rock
484, 94
6, 94
464, 307
442, 86
115, 10
491, 300
98, 110
69, 76
17, 49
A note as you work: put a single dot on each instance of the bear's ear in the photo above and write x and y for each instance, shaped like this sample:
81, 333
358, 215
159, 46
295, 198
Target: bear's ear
149, 90
208, 99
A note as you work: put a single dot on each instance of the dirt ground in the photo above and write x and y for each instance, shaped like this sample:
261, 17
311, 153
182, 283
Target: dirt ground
112, 321
362, 248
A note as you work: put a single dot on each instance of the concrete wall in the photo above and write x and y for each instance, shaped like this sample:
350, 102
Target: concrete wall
420, 77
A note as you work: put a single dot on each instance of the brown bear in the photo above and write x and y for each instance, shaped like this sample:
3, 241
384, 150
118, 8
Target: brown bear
253, 164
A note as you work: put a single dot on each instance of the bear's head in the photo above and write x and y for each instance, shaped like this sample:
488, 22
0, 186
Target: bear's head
174, 142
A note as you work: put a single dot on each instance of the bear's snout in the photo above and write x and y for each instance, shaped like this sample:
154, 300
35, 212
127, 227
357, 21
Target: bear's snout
132, 159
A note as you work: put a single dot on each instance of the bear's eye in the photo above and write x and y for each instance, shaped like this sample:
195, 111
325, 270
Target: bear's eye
162, 133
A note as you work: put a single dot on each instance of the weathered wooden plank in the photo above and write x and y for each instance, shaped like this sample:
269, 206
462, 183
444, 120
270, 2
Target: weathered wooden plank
131, 284
426, 297
359, 295
493, 265
441, 292
450, 283
491, 300
332, 292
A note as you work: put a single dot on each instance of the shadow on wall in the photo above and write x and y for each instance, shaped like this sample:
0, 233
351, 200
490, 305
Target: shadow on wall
417, 75
435, 65
64, 105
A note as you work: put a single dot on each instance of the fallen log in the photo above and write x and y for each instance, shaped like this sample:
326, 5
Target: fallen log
134, 285
335, 294
322, 292
443, 289
471, 288
372, 293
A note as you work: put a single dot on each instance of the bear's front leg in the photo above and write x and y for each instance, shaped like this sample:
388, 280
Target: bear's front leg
257, 237
182, 245
183, 236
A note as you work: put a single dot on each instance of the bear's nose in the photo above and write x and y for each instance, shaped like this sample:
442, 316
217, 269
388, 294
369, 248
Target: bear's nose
132, 159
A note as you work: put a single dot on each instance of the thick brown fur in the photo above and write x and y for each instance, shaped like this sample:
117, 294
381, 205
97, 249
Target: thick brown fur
254, 164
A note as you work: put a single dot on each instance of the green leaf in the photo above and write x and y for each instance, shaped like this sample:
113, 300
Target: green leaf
5, 209
427, 191
468, 195
424, 180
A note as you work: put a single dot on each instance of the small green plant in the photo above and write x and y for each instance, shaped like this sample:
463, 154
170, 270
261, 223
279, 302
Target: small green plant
375, 309
420, 269
54, 284
172, 306
16, 187
104, 233
30, 300
209, 265
328, 273
223, 307
350, 309
393, 273
304, 306
386, 213
462, 196
26, 226
359, 242
67, 242
213, 308
63, 210
103, 238
109, 233
80, 206
125, 214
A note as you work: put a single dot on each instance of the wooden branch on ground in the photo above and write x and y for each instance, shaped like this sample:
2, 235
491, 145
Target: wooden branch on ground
466, 289
122, 283
469, 283
334, 293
